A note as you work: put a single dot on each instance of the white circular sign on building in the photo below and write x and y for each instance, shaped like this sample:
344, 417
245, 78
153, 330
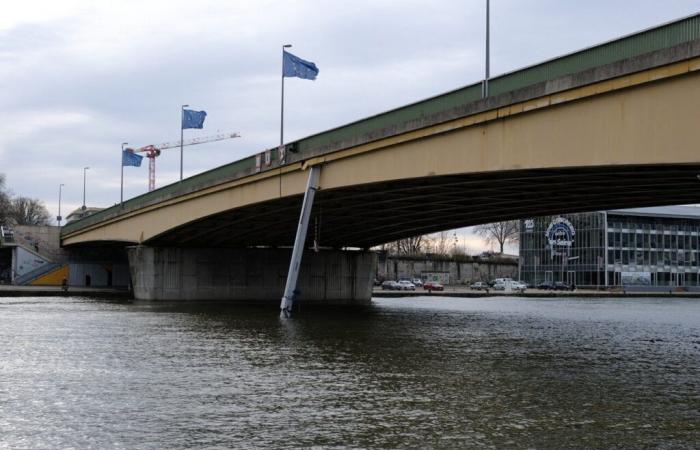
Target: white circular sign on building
560, 233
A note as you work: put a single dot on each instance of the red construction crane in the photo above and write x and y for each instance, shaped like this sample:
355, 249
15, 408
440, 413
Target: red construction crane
153, 151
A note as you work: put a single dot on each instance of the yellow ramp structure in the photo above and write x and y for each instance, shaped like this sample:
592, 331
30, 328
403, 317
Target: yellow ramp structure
53, 278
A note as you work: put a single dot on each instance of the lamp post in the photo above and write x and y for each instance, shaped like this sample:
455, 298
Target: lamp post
121, 191
485, 87
182, 135
85, 169
59, 218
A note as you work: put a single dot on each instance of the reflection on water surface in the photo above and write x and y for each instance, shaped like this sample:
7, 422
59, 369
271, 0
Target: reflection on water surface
421, 372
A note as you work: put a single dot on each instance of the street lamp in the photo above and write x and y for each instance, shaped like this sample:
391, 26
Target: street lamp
59, 218
487, 74
85, 169
121, 190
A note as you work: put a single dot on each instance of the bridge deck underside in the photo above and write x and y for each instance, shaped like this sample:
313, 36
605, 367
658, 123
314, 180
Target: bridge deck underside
372, 214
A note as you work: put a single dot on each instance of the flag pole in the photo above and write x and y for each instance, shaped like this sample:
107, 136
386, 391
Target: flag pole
182, 133
121, 191
282, 105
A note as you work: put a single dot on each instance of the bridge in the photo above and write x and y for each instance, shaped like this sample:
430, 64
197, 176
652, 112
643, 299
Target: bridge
611, 126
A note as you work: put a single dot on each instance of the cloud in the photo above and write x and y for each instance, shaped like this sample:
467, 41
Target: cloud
80, 77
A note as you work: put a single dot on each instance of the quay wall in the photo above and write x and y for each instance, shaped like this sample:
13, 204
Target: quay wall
446, 270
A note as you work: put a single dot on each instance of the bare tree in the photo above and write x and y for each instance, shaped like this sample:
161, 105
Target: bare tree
5, 205
28, 211
438, 243
408, 246
499, 232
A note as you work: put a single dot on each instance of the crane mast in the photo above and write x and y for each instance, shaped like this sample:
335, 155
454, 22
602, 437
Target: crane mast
153, 151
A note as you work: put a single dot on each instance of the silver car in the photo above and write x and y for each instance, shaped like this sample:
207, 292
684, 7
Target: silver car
406, 285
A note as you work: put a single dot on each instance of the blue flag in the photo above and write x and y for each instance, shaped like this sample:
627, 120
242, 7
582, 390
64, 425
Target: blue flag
293, 66
129, 158
193, 119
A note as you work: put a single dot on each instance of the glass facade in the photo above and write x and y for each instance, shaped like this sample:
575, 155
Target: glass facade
544, 258
613, 248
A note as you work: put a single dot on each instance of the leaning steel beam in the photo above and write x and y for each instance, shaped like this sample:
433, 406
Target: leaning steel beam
290, 289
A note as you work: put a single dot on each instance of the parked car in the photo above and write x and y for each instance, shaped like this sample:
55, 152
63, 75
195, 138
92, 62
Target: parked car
390, 286
519, 286
433, 286
406, 285
417, 281
546, 285
502, 283
478, 286
561, 286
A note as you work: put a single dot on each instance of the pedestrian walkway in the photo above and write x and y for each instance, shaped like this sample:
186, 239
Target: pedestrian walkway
42, 291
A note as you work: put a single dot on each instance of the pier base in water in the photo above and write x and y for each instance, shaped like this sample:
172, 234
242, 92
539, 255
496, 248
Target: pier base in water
250, 275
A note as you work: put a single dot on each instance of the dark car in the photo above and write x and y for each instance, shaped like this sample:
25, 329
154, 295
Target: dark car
433, 286
390, 286
561, 286
546, 285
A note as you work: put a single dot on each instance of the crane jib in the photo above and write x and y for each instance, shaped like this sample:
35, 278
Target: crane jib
153, 151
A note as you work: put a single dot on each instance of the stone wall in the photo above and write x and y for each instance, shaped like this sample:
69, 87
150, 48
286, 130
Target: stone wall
44, 240
460, 270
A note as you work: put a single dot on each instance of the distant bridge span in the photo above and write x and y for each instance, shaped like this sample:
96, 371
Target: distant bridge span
573, 134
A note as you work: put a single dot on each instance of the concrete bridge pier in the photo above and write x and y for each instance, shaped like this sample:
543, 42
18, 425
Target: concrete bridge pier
253, 275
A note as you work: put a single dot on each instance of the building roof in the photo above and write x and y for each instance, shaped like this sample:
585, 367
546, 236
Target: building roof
676, 212
79, 213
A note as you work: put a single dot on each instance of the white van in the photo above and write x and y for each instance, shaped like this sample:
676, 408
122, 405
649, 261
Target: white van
502, 280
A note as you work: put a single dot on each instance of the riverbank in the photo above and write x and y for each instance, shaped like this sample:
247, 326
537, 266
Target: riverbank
111, 293
57, 291
538, 293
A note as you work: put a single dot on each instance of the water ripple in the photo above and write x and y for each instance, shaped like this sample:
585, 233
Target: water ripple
422, 372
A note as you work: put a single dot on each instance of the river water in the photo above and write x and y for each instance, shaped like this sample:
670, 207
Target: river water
405, 373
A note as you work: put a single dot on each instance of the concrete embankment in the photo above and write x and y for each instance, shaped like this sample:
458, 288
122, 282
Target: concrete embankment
534, 293
57, 291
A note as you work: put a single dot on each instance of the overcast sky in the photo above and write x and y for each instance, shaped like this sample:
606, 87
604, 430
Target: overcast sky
77, 78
